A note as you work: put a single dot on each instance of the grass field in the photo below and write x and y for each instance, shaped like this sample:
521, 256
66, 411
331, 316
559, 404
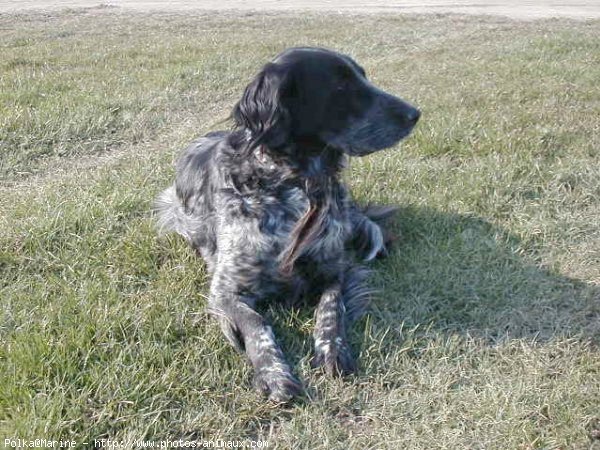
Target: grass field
485, 332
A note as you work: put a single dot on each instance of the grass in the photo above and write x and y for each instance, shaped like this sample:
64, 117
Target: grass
486, 330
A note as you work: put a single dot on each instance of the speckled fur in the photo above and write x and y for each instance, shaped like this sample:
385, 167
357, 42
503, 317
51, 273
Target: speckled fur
268, 212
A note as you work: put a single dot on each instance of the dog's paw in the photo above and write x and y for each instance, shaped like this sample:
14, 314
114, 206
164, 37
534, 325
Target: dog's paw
334, 357
278, 385
374, 244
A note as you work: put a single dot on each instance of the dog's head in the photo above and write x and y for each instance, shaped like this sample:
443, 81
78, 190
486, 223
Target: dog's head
323, 98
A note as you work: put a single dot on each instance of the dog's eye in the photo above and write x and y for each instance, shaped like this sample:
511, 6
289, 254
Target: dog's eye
344, 82
342, 86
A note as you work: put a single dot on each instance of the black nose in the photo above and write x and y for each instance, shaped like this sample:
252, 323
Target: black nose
404, 112
412, 116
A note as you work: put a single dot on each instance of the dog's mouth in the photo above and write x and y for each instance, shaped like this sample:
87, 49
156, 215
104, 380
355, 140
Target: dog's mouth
385, 124
379, 142
382, 126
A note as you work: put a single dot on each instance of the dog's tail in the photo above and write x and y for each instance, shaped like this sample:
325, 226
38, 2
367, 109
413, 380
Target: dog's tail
171, 216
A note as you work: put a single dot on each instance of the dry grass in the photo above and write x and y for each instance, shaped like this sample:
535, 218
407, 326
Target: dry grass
486, 330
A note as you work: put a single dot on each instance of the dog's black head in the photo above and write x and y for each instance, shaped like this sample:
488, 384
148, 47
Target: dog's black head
321, 98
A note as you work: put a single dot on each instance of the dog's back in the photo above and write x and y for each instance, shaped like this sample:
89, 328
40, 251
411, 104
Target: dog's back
187, 207
266, 207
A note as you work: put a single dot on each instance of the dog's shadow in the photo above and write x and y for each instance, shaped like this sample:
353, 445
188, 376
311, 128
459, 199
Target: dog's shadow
456, 274
465, 275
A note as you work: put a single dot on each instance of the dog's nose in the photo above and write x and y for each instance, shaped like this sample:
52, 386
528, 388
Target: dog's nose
412, 116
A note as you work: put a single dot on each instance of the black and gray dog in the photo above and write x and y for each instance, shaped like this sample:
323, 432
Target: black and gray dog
265, 207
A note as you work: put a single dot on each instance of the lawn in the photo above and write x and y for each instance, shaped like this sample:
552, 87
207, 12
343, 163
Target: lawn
485, 330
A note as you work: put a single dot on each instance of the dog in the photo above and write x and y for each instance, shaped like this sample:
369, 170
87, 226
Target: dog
265, 207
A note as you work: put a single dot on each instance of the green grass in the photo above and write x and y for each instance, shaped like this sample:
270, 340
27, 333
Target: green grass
486, 329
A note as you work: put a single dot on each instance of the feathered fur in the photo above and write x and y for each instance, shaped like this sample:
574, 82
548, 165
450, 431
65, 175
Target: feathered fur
265, 206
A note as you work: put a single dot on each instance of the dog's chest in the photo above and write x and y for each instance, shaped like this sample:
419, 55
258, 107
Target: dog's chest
283, 214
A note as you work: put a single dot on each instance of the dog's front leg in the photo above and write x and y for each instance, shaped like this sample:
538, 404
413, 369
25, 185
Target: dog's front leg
248, 331
331, 347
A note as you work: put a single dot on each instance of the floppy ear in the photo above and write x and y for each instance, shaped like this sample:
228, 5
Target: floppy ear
261, 111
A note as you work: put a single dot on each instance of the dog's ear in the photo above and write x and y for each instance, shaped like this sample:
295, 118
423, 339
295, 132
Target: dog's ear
261, 111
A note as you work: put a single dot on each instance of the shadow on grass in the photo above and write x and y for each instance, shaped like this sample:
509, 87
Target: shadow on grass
457, 275
449, 276
462, 274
